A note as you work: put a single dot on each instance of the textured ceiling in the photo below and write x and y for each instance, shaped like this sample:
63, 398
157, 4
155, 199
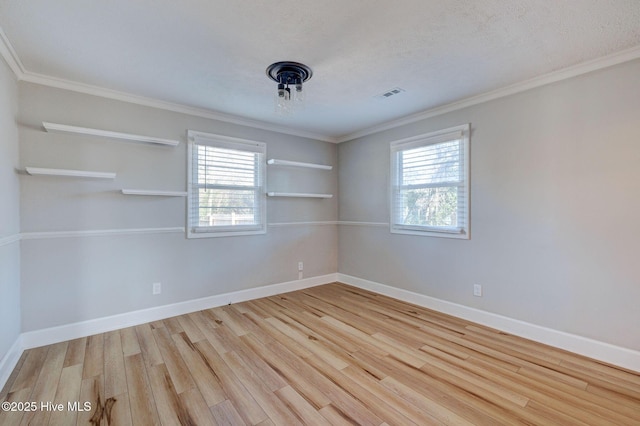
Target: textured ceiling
212, 54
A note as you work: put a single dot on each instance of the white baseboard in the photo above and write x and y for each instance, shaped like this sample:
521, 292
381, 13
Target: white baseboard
33, 339
10, 360
616, 355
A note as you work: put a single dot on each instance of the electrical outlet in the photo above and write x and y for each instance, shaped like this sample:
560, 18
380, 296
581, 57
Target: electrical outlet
300, 266
477, 290
157, 288
299, 275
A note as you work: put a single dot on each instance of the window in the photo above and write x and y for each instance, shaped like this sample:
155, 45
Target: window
226, 186
430, 184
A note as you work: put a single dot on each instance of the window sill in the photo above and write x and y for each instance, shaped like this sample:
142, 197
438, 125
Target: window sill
224, 233
460, 235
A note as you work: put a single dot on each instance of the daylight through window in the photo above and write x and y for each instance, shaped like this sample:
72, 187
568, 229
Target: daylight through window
226, 187
430, 188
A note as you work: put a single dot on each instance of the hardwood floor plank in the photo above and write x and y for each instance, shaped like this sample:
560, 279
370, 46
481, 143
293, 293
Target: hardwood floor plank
13, 376
301, 407
211, 333
321, 330
68, 391
336, 417
247, 407
477, 407
250, 321
623, 384
171, 410
118, 410
130, 344
190, 328
180, 375
30, 369
327, 389
46, 386
148, 346
141, 401
197, 408
115, 379
202, 372
290, 369
595, 367
94, 356
430, 408
394, 400
92, 391
232, 320
75, 352
223, 339
331, 354
554, 417
13, 417
264, 372
225, 414
360, 392
275, 409
309, 342
172, 325
453, 373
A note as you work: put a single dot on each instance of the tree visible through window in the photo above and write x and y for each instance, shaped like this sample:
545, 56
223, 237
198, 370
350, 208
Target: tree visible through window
226, 191
430, 184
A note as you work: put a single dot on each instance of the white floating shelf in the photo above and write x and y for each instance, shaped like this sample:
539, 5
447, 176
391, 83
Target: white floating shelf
154, 193
274, 162
53, 127
36, 171
298, 195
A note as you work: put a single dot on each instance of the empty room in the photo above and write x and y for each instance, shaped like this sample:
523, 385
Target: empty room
320, 213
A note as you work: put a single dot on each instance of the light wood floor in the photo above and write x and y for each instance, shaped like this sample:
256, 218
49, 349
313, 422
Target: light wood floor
327, 355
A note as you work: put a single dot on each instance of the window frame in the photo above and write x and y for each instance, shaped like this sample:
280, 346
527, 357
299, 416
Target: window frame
461, 133
196, 138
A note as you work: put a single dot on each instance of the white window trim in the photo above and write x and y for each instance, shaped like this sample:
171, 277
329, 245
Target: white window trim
421, 140
224, 231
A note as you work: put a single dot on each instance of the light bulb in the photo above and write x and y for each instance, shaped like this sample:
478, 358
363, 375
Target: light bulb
283, 101
299, 94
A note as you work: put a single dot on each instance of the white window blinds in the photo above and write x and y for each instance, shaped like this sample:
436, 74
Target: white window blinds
430, 184
226, 186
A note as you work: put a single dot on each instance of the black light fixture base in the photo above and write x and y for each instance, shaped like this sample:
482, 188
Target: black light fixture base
287, 72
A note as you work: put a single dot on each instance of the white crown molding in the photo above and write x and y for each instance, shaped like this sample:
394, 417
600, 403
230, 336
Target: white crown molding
552, 77
612, 354
9, 239
10, 56
47, 336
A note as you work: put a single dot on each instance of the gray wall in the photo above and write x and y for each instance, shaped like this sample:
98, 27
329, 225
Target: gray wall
9, 212
67, 279
555, 196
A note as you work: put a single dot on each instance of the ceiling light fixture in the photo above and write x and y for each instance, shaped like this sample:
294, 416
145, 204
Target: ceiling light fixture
289, 75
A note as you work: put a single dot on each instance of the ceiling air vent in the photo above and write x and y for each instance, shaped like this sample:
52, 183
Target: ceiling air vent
389, 93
